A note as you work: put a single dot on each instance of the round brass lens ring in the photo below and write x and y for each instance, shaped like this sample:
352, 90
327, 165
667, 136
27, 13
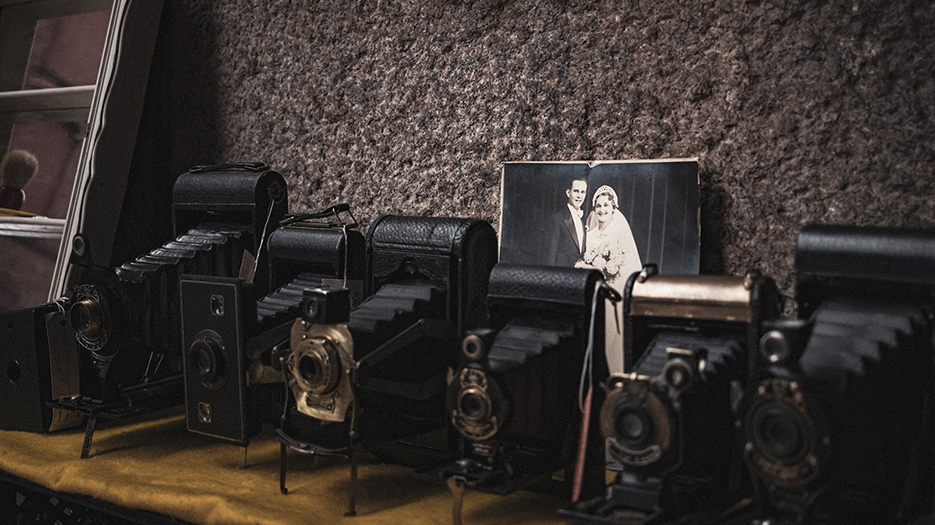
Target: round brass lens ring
648, 422
87, 318
779, 432
788, 440
317, 366
474, 404
477, 407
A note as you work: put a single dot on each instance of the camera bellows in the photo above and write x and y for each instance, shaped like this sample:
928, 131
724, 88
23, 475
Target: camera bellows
837, 420
669, 420
514, 394
815, 434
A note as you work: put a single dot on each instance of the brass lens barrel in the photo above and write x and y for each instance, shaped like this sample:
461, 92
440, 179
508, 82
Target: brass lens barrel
87, 318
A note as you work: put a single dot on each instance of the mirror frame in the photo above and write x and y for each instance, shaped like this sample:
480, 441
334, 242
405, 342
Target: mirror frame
115, 115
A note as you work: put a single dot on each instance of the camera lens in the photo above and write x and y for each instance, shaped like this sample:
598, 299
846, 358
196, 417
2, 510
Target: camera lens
202, 361
87, 319
317, 366
309, 368
79, 246
207, 362
473, 347
634, 427
780, 432
474, 404
477, 405
639, 421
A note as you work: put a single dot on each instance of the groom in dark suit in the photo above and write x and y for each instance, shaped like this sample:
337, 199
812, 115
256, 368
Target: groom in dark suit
567, 237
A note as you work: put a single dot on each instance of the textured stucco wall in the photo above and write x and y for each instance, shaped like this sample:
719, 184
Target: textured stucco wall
798, 111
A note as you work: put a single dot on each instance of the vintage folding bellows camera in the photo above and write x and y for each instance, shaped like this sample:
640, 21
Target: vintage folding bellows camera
668, 418
514, 397
837, 424
233, 341
377, 372
127, 319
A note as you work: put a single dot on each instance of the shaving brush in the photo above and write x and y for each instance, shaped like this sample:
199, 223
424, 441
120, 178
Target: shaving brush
16, 169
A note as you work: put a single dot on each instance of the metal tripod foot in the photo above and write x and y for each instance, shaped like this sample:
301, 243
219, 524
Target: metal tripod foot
456, 485
88, 436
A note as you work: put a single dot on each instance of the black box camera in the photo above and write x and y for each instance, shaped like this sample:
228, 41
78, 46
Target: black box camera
126, 319
380, 374
234, 341
515, 395
668, 419
837, 426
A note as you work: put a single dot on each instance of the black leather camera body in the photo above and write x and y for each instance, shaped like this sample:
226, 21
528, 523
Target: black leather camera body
249, 195
515, 395
234, 340
126, 319
217, 315
39, 359
426, 281
837, 422
377, 372
668, 419
120, 352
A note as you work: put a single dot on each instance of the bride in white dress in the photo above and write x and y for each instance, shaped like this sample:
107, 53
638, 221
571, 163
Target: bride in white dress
612, 250
610, 245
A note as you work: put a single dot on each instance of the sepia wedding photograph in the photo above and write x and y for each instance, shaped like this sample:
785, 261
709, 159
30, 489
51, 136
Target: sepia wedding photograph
613, 216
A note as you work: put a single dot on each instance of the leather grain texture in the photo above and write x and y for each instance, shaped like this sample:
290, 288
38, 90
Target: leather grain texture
561, 286
228, 187
442, 235
319, 250
888, 254
457, 253
538, 307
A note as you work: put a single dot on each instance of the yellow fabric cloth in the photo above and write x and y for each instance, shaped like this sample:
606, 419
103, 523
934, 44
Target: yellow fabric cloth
154, 463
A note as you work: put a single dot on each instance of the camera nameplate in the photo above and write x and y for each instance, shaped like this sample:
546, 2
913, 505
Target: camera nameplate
710, 297
639, 394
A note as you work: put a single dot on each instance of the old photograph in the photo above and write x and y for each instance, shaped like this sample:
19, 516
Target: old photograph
614, 216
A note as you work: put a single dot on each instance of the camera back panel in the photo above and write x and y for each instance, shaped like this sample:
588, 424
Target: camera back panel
872, 262
326, 252
39, 362
456, 253
216, 315
250, 194
704, 304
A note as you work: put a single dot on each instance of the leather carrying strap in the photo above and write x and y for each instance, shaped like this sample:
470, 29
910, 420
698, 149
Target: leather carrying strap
240, 166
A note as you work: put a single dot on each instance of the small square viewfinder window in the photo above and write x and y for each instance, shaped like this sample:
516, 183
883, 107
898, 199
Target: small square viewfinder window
217, 305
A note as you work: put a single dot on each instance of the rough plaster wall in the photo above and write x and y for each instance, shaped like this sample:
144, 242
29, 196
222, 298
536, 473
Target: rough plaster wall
799, 111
